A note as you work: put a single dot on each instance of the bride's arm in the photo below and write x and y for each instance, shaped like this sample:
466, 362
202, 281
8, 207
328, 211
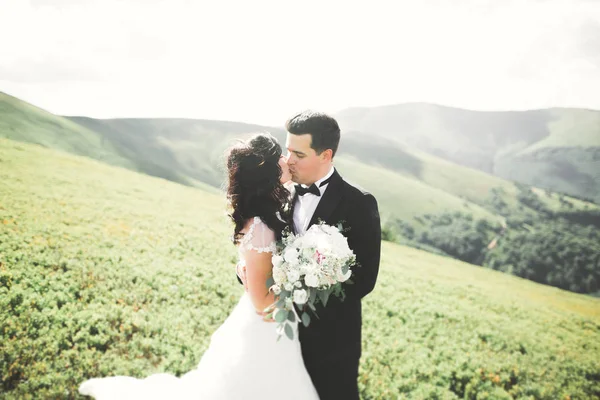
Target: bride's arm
258, 271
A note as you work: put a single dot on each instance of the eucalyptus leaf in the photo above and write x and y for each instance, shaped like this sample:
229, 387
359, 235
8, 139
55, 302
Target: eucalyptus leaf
305, 319
281, 315
324, 297
289, 332
270, 282
291, 317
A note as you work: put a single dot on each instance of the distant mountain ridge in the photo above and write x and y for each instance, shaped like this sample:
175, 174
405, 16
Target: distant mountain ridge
556, 148
408, 181
426, 201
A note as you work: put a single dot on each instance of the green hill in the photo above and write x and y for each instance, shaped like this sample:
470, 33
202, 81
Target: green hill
555, 148
407, 181
425, 201
24, 122
190, 149
104, 271
195, 148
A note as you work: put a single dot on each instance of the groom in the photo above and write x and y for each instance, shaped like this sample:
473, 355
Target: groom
331, 344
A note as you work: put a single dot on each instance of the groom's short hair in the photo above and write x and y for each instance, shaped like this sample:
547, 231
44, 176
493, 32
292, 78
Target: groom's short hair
323, 128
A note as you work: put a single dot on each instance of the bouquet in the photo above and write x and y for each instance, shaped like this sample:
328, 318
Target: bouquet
308, 269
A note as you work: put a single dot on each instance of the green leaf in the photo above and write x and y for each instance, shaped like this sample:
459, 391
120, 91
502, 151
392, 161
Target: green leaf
281, 315
324, 296
313, 295
305, 319
289, 332
291, 317
270, 282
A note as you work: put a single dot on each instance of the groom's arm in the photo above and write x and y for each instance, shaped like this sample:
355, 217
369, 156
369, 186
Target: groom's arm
364, 238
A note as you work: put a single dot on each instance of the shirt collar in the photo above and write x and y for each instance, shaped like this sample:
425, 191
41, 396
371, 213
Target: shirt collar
318, 183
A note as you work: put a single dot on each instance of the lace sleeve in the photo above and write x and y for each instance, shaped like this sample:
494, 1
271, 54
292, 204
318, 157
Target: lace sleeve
259, 237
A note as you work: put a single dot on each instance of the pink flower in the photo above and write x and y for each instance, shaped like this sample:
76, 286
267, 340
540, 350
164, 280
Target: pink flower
320, 257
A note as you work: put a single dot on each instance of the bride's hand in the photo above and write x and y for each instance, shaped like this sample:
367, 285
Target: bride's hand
240, 270
267, 313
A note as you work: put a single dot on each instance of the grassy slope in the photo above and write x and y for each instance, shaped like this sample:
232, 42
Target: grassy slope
186, 148
553, 148
24, 122
105, 271
568, 160
570, 128
403, 196
195, 148
408, 182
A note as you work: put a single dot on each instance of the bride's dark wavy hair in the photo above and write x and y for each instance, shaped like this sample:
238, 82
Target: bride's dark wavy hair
254, 188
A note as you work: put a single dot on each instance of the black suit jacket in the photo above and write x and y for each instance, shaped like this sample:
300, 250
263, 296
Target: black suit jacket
336, 333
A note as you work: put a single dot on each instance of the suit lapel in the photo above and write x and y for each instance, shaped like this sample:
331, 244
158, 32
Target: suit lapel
331, 198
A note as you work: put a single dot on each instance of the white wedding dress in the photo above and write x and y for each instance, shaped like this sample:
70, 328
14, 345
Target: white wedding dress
243, 361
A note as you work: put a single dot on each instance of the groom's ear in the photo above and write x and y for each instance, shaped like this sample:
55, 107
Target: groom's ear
326, 155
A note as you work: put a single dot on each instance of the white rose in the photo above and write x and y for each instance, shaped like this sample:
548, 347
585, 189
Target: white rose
293, 275
276, 289
324, 243
298, 242
300, 296
291, 256
332, 230
277, 261
288, 286
310, 238
343, 277
311, 280
279, 275
340, 244
298, 284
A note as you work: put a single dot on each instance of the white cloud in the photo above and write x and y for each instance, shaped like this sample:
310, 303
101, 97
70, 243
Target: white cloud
260, 61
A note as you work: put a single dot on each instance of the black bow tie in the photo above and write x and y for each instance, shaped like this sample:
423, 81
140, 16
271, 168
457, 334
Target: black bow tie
301, 190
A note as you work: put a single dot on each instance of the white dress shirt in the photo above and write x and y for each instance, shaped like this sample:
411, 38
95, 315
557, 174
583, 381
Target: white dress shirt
305, 206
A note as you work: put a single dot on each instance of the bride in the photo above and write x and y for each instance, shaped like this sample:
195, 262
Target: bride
244, 359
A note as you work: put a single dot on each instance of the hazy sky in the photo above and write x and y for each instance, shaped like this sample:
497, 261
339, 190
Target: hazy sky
260, 61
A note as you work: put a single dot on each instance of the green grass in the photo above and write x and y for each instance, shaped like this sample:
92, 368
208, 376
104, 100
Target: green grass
105, 271
181, 150
571, 128
404, 196
191, 152
24, 122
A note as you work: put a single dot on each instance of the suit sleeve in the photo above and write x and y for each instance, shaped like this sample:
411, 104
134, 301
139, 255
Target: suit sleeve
364, 238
